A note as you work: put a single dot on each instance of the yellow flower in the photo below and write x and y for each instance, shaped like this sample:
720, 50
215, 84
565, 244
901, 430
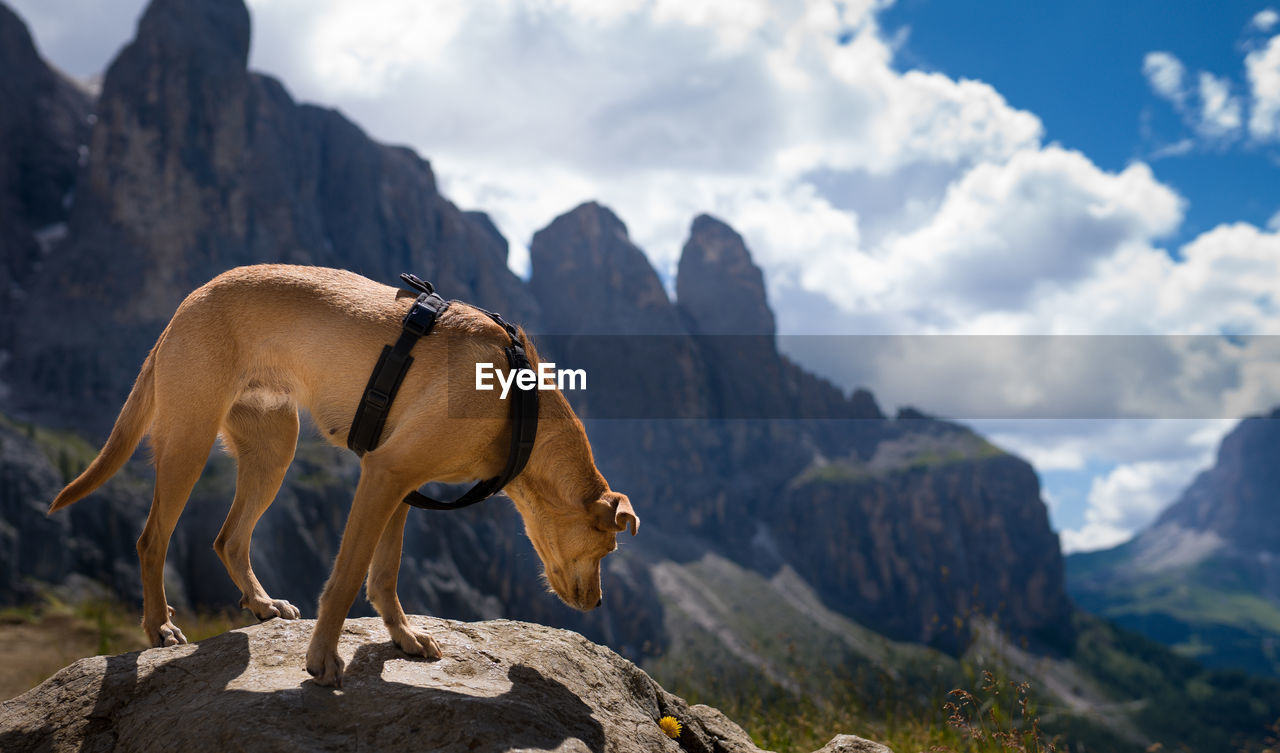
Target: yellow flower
671, 726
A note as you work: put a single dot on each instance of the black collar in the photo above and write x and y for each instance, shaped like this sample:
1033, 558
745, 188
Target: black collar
371, 414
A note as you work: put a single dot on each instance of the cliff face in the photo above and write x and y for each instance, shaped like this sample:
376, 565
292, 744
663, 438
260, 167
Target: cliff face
1205, 577
196, 165
43, 123
893, 542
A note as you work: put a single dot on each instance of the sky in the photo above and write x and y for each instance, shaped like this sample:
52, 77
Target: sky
1054, 174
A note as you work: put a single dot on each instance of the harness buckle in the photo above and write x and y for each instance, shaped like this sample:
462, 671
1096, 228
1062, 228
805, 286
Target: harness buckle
377, 399
420, 319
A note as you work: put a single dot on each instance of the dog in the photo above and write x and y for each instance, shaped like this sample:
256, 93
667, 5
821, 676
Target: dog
246, 350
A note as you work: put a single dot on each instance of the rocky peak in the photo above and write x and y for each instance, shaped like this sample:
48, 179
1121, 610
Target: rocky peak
204, 31
718, 288
591, 279
1238, 499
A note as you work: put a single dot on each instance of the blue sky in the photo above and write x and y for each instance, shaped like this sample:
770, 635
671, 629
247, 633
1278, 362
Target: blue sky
1078, 67
918, 168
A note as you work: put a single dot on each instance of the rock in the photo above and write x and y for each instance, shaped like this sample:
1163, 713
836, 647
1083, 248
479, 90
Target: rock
718, 287
852, 744
889, 540
43, 122
501, 686
594, 280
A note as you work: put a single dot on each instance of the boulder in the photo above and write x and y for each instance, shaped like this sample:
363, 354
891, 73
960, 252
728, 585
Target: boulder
501, 686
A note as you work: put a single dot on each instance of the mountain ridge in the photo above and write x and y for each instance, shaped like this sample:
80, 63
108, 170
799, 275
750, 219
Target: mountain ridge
1205, 576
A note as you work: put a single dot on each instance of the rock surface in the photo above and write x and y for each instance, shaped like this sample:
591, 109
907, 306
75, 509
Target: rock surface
501, 686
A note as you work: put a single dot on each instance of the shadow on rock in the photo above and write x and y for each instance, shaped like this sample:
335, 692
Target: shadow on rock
186, 704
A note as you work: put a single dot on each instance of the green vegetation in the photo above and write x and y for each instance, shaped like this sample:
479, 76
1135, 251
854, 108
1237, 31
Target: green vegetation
37, 640
898, 456
1210, 611
835, 472
66, 450
1178, 596
1177, 701
998, 716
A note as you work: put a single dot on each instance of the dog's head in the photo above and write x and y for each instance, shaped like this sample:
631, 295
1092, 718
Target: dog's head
572, 539
570, 513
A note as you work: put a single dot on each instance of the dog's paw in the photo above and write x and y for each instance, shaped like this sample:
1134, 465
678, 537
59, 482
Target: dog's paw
167, 634
415, 643
326, 667
267, 609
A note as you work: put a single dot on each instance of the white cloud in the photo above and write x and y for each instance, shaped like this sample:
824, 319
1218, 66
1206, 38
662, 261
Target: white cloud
1265, 20
1165, 73
1220, 110
1126, 500
1263, 69
1209, 108
1069, 445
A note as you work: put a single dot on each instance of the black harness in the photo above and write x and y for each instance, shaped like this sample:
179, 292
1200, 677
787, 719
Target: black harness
371, 414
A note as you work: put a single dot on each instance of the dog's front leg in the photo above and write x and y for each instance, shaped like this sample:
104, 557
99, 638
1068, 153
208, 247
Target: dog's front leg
377, 496
381, 588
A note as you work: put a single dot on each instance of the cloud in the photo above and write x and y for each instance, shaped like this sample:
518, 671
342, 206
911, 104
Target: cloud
1209, 107
82, 36
1165, 74
1265, 20
1126, 500
1263, 70
1220, 110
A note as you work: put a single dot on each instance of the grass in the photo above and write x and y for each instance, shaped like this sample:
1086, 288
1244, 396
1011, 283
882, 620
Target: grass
996, 716
37, 640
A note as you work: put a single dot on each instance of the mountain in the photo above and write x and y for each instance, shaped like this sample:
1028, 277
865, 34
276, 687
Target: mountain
195, 165
44, 121
1205, 577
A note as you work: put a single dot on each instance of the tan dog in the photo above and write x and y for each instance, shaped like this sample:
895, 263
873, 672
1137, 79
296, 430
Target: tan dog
245, 350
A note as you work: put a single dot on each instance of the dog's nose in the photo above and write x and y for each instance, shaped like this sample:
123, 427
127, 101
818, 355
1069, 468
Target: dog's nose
598, 603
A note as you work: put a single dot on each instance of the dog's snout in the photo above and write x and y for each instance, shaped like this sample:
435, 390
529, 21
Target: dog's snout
599, 601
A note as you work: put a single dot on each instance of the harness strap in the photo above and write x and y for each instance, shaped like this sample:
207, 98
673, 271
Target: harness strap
384, 382
524, 429
388, 373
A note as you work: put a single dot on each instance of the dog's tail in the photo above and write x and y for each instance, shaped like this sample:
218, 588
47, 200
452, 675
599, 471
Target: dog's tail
130, 428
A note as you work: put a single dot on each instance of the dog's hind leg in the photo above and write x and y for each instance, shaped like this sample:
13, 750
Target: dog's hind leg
181, 446
263, 442
381, 588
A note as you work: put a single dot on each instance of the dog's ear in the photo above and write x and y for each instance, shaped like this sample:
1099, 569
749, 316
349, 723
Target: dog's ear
625, 516
613, 512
